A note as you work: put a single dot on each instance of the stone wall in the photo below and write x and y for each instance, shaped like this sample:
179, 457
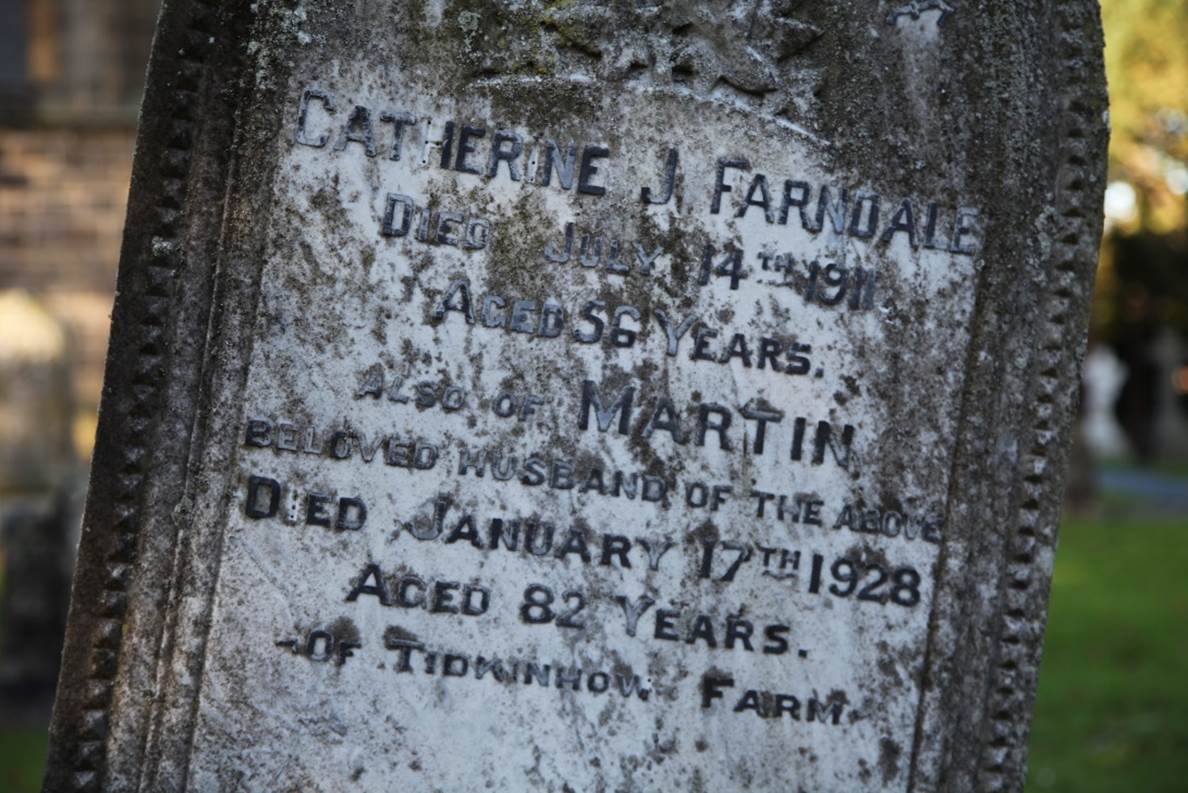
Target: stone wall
65, 161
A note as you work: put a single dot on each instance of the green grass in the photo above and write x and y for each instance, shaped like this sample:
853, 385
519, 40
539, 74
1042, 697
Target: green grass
22, 758
22, 752
1112, 711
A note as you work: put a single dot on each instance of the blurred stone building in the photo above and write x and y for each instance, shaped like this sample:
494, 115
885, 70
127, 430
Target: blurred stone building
71, 78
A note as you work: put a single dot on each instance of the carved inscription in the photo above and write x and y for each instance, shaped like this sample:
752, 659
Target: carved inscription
583, 413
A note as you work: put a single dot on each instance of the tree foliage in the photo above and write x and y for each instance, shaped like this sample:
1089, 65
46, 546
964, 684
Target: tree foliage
1143, 277
1147, 67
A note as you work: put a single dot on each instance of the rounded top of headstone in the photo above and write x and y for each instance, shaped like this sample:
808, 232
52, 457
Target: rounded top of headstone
28, 332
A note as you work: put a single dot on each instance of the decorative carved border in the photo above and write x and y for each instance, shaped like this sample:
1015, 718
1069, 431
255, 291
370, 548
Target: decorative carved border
1072, 260
154, 255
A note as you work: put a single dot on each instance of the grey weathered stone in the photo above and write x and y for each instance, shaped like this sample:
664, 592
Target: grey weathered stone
284, 315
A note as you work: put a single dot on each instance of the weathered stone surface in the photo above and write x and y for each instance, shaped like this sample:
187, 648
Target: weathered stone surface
578, 396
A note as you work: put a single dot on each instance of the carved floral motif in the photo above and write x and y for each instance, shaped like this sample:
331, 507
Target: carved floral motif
749, 51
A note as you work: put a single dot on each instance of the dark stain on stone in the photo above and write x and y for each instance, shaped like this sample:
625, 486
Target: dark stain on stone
344, 629
889, 754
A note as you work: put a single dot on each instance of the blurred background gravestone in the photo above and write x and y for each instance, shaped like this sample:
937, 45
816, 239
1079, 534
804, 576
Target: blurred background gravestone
38, 504
1104, 377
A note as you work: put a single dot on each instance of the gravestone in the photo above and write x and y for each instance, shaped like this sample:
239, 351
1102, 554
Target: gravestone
583, 396
39, 505
36, 403
1105, 375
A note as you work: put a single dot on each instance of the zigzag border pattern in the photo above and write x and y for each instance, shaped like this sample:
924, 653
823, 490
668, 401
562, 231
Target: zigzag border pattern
1020, 629
157, 270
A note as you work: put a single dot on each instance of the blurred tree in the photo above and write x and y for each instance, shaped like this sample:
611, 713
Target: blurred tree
1142, 281
1147, 65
